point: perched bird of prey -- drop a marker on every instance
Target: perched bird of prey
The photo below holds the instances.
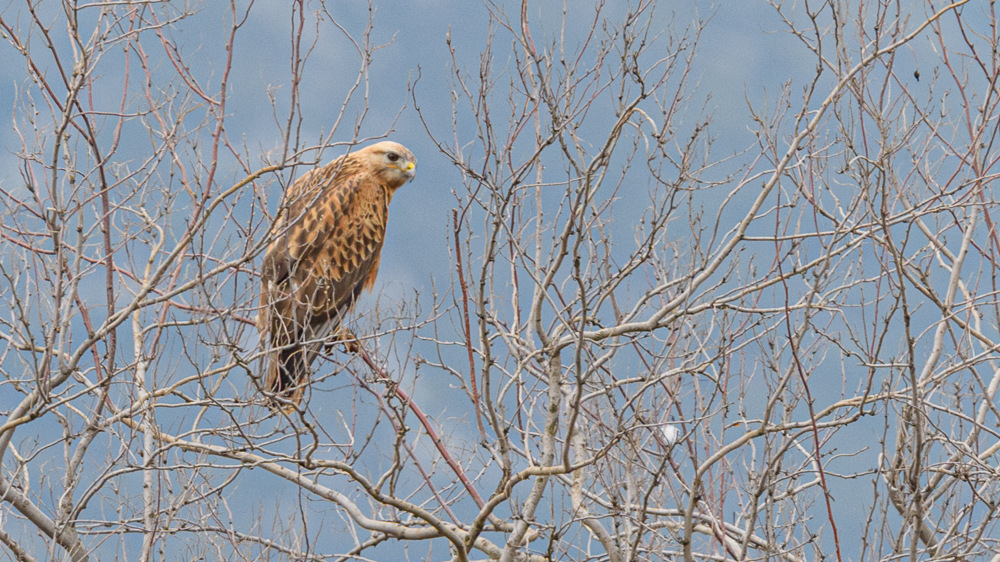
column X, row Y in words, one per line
column 328, row 237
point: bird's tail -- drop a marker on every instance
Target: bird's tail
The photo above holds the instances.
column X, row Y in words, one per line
column 288, row 374
column 289, row 365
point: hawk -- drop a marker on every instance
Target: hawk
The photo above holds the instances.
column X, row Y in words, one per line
column 329, row 235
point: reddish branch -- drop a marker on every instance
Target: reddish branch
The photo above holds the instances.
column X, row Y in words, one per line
column 467, row 327
column 393, row 389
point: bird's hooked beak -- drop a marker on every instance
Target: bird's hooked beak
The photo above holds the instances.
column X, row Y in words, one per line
column 409, row 170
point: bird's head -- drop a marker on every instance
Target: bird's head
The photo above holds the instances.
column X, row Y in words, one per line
column 393, row 162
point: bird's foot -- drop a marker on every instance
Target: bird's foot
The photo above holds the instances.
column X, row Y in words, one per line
column 347, row 338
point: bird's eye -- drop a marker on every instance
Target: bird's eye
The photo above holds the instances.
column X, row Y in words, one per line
column 392, row 156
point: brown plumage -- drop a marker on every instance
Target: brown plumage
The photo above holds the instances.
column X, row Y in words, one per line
column 328, row 237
